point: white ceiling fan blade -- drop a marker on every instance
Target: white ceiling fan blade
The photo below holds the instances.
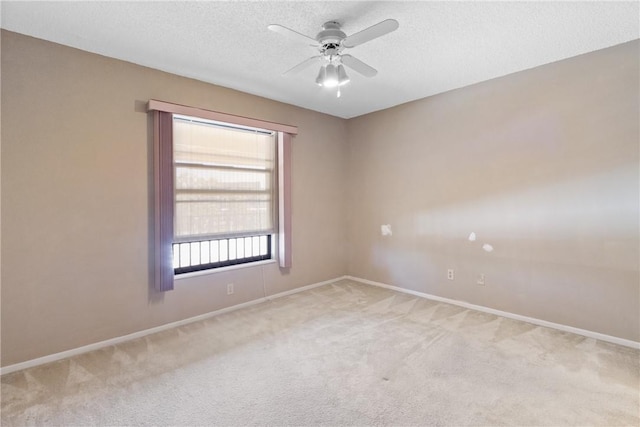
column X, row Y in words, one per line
column 359, row 66
column 375, row 31
column 288, row 32
column 303, row 65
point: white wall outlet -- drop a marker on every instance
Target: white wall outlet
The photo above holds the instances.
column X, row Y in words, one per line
column 229, row 288
column 450, row 274
column 480, row 280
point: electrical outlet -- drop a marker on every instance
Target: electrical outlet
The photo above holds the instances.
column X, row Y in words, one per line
column 480, row 280
column 450, row 274
column 229, row 288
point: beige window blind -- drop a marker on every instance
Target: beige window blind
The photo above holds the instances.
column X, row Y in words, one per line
column 224, row 179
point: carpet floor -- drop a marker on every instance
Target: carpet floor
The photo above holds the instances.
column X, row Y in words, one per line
column 340, row 354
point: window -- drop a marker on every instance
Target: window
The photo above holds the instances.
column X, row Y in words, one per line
column 222, row 191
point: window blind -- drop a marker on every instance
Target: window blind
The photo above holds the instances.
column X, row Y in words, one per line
column 224, row 179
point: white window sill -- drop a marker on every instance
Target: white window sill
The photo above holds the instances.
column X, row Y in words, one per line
column 223, row 269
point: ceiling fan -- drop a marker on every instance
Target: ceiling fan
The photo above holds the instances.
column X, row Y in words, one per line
column 331, row 42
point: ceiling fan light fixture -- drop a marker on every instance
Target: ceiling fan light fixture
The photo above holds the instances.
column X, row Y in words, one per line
column 321, row 76
column 343, row 79
column 331, row 78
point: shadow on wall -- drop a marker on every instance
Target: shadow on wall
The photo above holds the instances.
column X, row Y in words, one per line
column 573, row 222
column 587, row 222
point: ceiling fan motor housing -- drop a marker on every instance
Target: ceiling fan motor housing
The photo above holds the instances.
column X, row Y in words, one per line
column 331, row 34
column 330, row 37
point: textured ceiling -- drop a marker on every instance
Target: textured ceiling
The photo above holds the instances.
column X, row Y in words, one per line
column 439, row 46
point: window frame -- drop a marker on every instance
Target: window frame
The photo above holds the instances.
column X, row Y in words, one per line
column 201, row 252
column 164, row 274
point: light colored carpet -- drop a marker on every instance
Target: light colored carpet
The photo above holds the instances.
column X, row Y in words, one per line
column 341, row 354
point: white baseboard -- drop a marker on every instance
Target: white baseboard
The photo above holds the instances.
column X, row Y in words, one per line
column 113, row 341
column 539, row 322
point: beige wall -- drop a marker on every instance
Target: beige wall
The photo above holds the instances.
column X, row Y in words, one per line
column 75, row 199
column 541, row 164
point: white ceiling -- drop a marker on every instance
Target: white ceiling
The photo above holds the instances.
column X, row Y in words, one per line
column 439, row 46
